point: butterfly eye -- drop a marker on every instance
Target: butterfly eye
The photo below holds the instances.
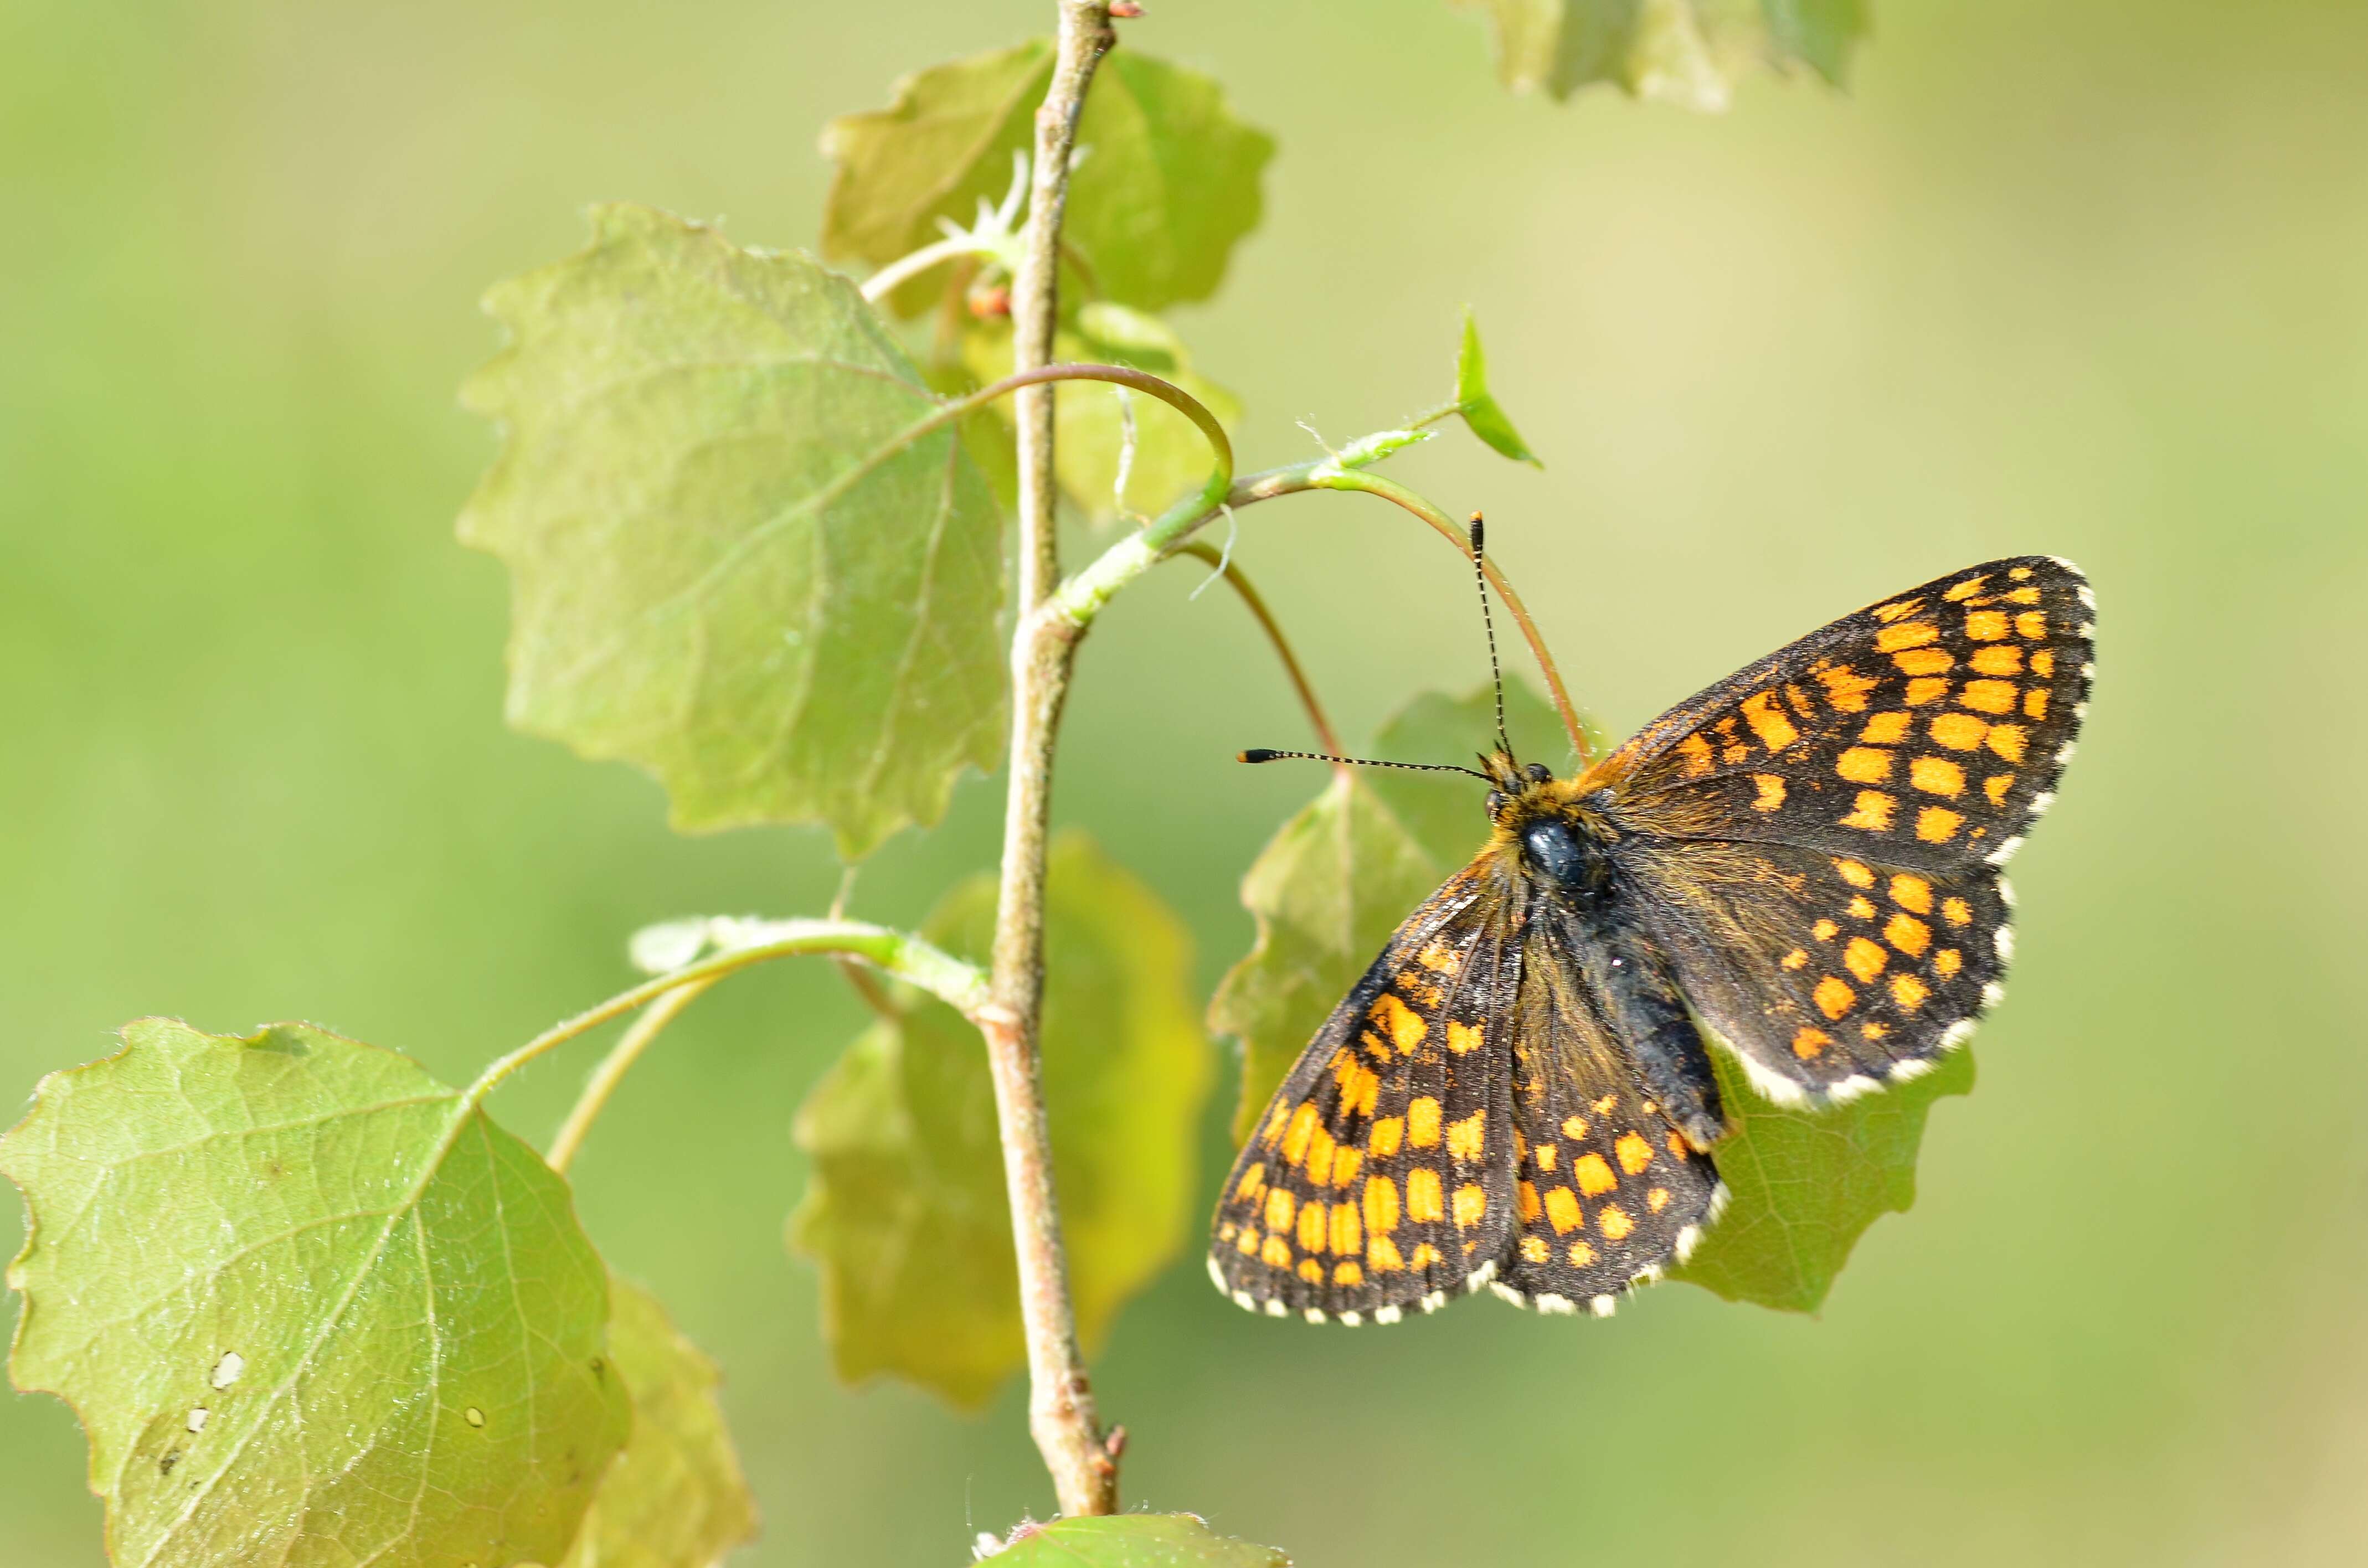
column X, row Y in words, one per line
column 1540, row 773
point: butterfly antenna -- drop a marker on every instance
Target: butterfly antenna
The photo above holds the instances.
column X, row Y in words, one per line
column 1261, row 754
column 1495, row 672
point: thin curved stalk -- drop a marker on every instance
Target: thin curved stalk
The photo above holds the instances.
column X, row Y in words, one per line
column 613, row 1068
column 1327, row 737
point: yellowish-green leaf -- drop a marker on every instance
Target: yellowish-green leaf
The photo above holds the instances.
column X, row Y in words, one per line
column 1166, row 180
column 734, row 560
column 674, row 1498
column 1133, row 1540
column 1688, row 53
column 905, row 1210
column 1171, row 456
column 1806, row 1184
column 311, row 1306
column 1481, row 410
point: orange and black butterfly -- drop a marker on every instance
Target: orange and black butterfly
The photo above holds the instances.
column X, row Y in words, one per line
column 1802, row 864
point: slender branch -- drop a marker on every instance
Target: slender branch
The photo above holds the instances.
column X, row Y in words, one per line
column 615, row 1066
column 958, row 985
column 1326, row 735
column 1083, row 595
column 1060, row 1403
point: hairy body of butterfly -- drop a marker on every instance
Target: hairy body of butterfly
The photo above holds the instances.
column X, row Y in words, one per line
column 1802, row 862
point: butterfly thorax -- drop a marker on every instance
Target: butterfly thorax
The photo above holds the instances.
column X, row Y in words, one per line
column 1558, row 853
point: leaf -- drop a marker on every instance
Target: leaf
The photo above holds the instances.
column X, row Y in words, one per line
column 1339, row 876
column 1480, row 410
column 1805, row 1184
column 1171, row 456
column 1133, row 1540
column 674, row 1498
column 1688, row 53
column 311, row 1306
column 1165, row 183
column 905, row 1210
column 733, row 561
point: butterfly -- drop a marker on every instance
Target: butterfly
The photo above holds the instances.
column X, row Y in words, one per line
column 1801, row 865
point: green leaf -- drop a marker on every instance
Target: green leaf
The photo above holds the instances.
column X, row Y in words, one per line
column 1165, row 179
column 1342, row 874
column 674, row 1498
column 1133, row 1540
column 1481, row 410
column 733, row 561
column 311, row 1306
column 1688, row 53
column 1171, row 456
column 905, row 1210
column 1805, row 1184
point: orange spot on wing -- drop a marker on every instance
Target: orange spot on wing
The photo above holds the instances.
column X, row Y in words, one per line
column 1833, row 996
column 1908, row 991
column 1422, row 1121
column 1383, row 1142
column 1657, row 1199
column 1562, row 1210
column 1896, row 609
column 1872, row 812
column 1253, row 1182
column 1276, row 1254
column 1468, row 1137
column 1794, row 958
column 1380, row 1205
column 1965, row 589
column 1348, row 1273
column 1593, row 1176
column 1696, row 753
column 1862, row 765
column 1936, row 775
column 1247, row 1244
column 1381, row 1256
column 1947, row 962
column 1907, row 634
column 1864, row 958
column 1988, row 696
column 1910, row 935
column 1535, row 1249
column 1404, row 1024
column 1425, row 1256
column 1911, row 892
column 1857, row 873
column 1937, row 824
column 1957, row 912
column 2003, row 659
column 1808, row 1042
column 1926, row 690
column 1846, row 688
column 1462, row 1039
column 1886, row 729
column 1345, row 1162
column 1995, row 786
column 1635, row 1151
column 1574, row 1127
column 2007, row 740
column 1302, row 1128
column 1470, row 1205
column 1613, row 1222
column 1525, row 1202
column 2030, row 623
column 1311, row 1271
column 2043, row 662
column 1320, row 1157
column 1923, row 661
column 1986, row 625
column 2034, row 703
column 1313, row 1227
column 1438, row 957
column 1769, row 722
column 1580, row 1255
column 1424, row 1202
column 1824, row 930
column 1862, row 907
column 1771, row 791
column 1958, row 732
column 1348, row 1236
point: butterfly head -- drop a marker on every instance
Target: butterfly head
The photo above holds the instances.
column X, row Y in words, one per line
column 1541, row 821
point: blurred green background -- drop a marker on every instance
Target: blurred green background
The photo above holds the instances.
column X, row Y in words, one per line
column 2090, row 280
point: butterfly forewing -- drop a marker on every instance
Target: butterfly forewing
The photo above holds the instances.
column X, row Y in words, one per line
column 1379, row 1178
column 1927, row 730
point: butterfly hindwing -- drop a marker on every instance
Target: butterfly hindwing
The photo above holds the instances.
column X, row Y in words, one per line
column 1607, row 1191
column 1379, row 1177
column 1822, row 972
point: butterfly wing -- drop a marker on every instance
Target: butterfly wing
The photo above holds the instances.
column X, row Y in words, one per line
column 1380, row 1177
column 1816, row 840
column 1607, row 1191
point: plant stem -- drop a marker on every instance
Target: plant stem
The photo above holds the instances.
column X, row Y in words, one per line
column 1326, row 737
column 956, row 983
column 613, row 1068
column 1061, row 1404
